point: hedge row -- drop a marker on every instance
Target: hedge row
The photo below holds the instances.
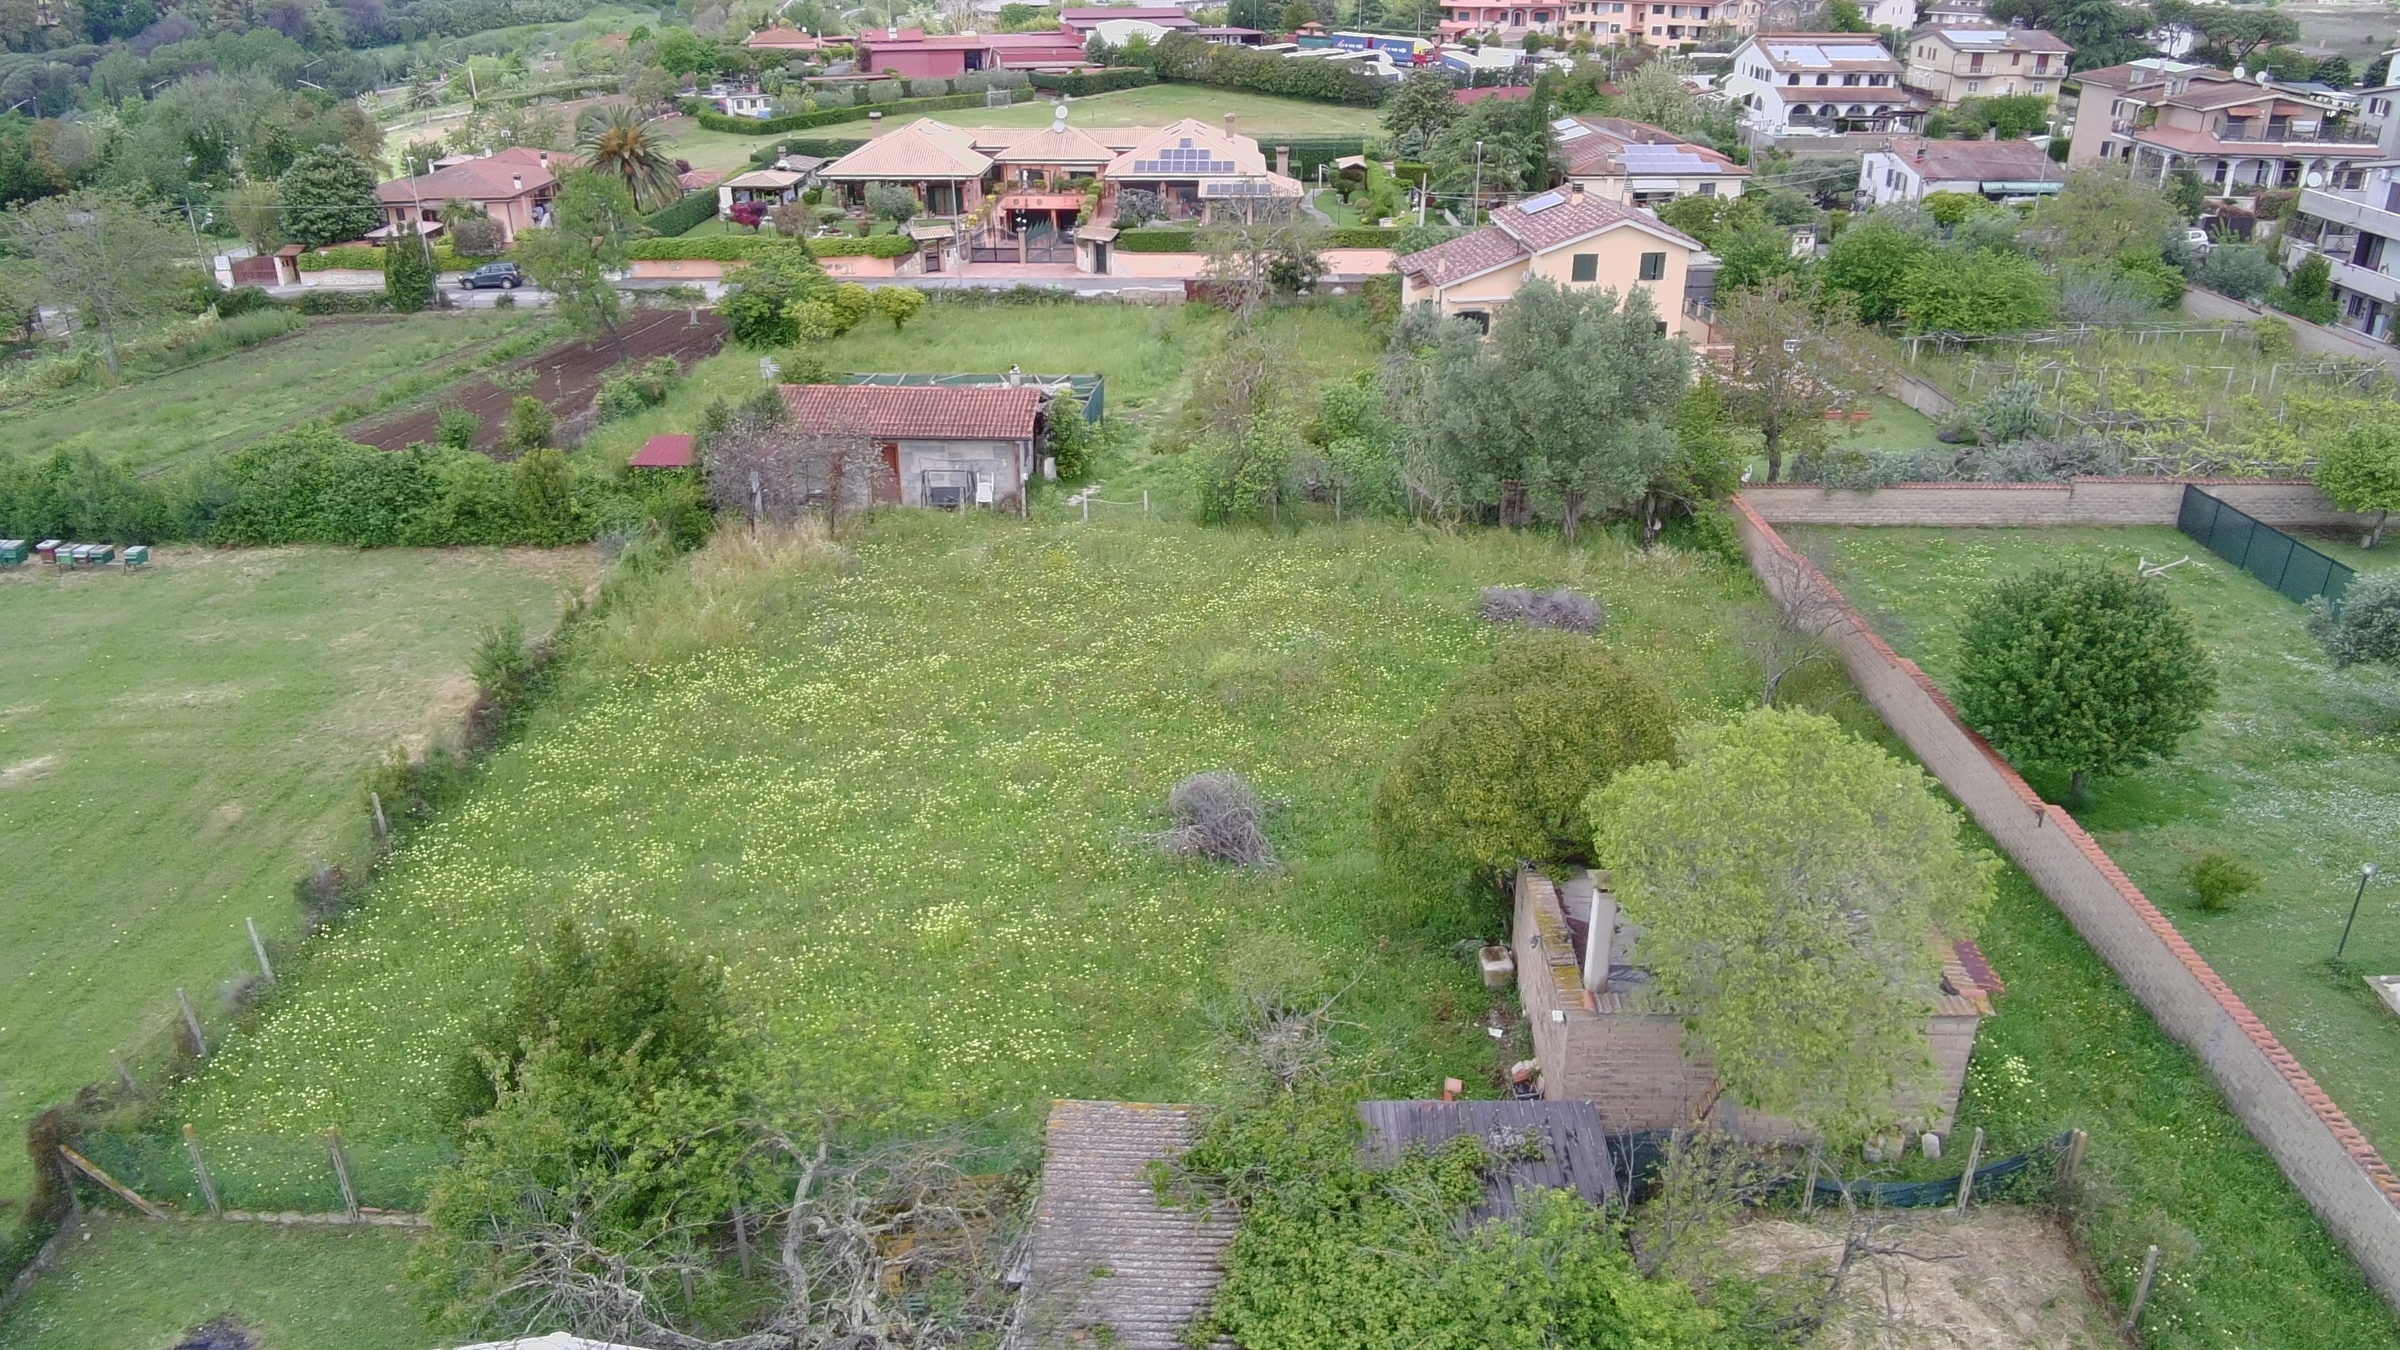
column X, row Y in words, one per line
column 369, row 258
column 1084, row 84
column 1158, row 239
column 742, row 247
column 686, row 215
column 825, row 117
column 313, row 486
column 873, row 246
column 1182, row 56
column 1362, row 236
column 820, row 147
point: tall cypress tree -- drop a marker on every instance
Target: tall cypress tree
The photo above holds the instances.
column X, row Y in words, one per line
column 407, row 275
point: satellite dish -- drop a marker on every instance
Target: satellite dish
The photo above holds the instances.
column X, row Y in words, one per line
column 2315, row 180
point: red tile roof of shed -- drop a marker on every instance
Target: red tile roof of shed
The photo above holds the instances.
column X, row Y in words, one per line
column 915, row 412
column 669, row 451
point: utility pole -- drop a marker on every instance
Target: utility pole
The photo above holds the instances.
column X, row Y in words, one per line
column 1475, row 205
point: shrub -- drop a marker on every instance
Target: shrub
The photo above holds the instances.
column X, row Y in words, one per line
column 458, row 429
column 831, row 116
column 2219, row 879
column 2243, row 271
column 323, row 894
column 477, row 237
column 407, row 277
column 1159, row 240
column 873, row 246
column 529, row 425
column 342, row 302
column 713, row 248
column 2365, row 626
column 1085, row 83
column 1499, row 772
column 899, row 304
column 2309, row 293
column 764, row 308
column 892, row 202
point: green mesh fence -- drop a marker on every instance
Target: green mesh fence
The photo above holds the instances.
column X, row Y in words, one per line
column 2284, row 563
column 270, row 1172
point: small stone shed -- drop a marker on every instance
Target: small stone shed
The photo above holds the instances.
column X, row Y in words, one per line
column 1609, row 1039
column 941, row 445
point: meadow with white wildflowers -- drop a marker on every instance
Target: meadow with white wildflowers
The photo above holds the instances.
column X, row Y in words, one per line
column 905, row 811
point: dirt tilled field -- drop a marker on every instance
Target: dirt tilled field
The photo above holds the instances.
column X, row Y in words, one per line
column 1997, row 1279
column 566, row 378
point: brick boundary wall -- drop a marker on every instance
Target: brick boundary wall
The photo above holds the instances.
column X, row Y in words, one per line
column 2288, row 502
column 2336, row 1169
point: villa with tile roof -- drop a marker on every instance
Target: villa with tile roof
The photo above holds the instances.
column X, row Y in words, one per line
column 1633, row 162
column 514, row 188
column 1566, row 236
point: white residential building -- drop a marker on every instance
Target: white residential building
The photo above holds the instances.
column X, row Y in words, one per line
column 1829, row 82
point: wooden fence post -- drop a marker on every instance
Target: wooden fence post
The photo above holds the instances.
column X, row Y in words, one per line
column 208, row 1184
column 2141, row 1292
column 383, row 829
column 2070, row 1158
column 118, row 1188
column 340, row 1158
column 1966, row 1179
column 258, row 945
column 1808, row 1188
column 192, row 1020
column 125, row 1075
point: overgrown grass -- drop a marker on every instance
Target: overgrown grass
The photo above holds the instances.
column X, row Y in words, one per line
column 2297, row 772
column 222, row 404
column 2242, row 1260
column 176, row 746
column 902, row 793
column 138, row 1284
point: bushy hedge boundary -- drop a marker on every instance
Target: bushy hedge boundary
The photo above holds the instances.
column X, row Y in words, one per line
column 311, row 486
column 742, row 247
column 686, row 215
column 1084, row 84
column 1161, row 239
column 369, row 258
column 1181, row 56
column 825, row 117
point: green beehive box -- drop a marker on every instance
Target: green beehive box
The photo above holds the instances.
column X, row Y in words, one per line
column 137, row 555
column 13, row 552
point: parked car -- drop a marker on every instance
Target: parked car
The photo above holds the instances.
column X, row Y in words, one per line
column 2199, row 240
column 502, row 275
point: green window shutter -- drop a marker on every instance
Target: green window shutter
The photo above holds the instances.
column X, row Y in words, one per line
column 1587, row 267
column 1654, row 266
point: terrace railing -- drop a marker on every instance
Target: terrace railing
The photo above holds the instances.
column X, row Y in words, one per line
column 2284, row 563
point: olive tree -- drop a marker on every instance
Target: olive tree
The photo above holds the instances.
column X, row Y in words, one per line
column 2075, row 670
column 1499, row 772
column 1792, row 884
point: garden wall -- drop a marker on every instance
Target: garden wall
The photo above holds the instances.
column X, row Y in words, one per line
column 2288, row 502
column 2326, row 1157
column 2314, row 338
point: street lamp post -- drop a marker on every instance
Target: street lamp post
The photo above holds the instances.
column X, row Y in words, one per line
column 1475, row 206
column 2365, row 875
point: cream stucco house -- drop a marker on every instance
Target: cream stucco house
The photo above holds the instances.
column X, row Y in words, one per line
column 1570, row 237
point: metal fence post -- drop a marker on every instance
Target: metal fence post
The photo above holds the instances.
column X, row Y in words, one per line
column 208, row 1184
column 340, row 1157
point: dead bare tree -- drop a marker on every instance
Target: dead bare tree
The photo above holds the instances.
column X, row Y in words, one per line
column 761, row 465
column 1272, row 247
column 1793, row 627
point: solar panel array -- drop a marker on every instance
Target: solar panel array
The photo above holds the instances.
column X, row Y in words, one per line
column 1645, row 158
column 1185, row 158
column 1534, row 206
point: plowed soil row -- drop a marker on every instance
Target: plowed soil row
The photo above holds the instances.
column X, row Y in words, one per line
column 569, row 377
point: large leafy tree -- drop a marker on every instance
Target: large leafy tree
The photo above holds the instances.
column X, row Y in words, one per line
column 1870, row 257
column 1788, row 360
column 2103, row 32
column 1792, row 883
column 2228, row 35
column 2361, row 472
column 1979, row 291
column 618, row 142
column 2365, row 626
column 1420, row 109
column 2083, row 671
column 593, row 218
column 328, row 197
column 408, row 274
column 1500, row 770
column 108, row 256
column 2102, row 214
column 1572, row 397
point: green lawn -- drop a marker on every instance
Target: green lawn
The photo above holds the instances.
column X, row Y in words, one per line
column 226, row 403
column 177, row 745
column 141, row 1286
column 2297, row 771
column 1261, row 115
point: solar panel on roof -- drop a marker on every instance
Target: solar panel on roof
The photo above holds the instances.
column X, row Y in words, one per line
column 1536, row 205
column 1185, row 158
column 1574, row 131
column 1565, row 124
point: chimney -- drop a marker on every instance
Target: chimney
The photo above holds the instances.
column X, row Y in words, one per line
column 1920, row 152
column 1229, row 124
column 1283, row 160
column 517, row 181
column 874, row 125
column 892, row 34
column 1058, row 118
column 545, row 158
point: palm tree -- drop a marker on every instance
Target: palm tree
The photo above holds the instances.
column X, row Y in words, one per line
column 618, row 142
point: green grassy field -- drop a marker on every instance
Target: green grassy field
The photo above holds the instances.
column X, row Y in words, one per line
column 2294, row 772
column 905, row 810
column 1261, row 115
column 226, row 403
column 177, row 746
column 141, row 1286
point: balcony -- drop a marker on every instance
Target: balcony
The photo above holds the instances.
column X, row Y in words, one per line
column 2350, row 276
column 2349, row 210
column 2311, row 133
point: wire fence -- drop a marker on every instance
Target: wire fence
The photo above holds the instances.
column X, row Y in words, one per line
column 2299, row 572
column 268, row 1172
